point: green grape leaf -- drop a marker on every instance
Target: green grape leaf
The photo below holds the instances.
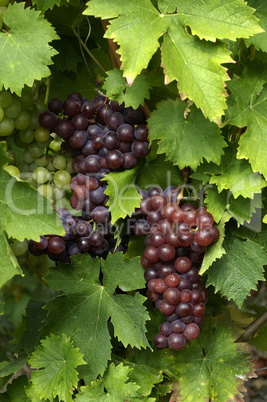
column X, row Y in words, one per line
column 122, row 192
column 28, row 39
column 158, row 172
column 215, row 19
column 114, row 385
column 136, row 30
column 239, row 270
column 16, row 390
column 62, row 83
column 83, row 311
column 216, row 250
column 67, row 60
column 260, row 39
column 143, row 374
column 137, row 26
column 246, row 108
column 199, row 72
column 55, row 361
column 185, row 141
column 24, row 212
column 117, row 89
column 233, row 174
column 213, row 367
column 44, row 5
column 8, row 263
column 242, row 208
column 216, row 202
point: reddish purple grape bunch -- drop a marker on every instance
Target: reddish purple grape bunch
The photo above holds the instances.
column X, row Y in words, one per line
column 102, row 135
column 176, row 240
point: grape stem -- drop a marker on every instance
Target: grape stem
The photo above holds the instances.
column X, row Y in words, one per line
column 87, row 50
column 253, row 328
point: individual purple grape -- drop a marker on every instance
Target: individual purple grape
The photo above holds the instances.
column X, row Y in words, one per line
column 100, row 214
column 130, row 160
column 177, row 326
column 161, row 341
column 55, row 105
column 114, row 159
column 48, row 120
column 141, row 132
column 64, row 129
column 115, row 120
column 125, row 133
column 176, row 341
column 80, row 122
column 191, row 331
column 72, row 105
column 92, row 163
column 78, row 139
column 88, row 109
column 56, row 245
column 165, row 328
column 140, row 148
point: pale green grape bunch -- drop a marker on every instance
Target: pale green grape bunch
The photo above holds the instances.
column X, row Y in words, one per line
column 43, row 163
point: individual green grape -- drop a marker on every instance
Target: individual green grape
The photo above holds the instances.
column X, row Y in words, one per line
column 26, row 156
column 62, row 178
column 41, row 175
column 34, row 121
column 6, row 99
column 60, row 162
column 1, row 114
column 35, row 151
column 44, row 144
column 13, row 170
column 6, row 127
column 18, row 142
column 69, row 165
column 19, row 247
column 24, row 169
column 41, row 134
column 23, row 121
column 26, row 98
column 33, row 166
column 50, row 165
column 46, row 191
column 58, row 193
column 27, row 135
column 13, row 111
column 41, row 161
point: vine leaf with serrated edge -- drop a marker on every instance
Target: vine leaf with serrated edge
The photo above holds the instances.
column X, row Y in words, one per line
column 55, row 361
column 29, row 39
column 188, row 140
column 239, row 270
column 83, row 311
column 143, row 22
column 213, row 366
column 247, row 108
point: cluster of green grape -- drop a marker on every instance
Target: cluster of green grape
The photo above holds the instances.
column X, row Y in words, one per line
column 41, row 160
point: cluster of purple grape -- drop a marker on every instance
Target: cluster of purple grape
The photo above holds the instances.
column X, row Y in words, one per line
column 176, row 239
column 81, row 237
column 103, row 136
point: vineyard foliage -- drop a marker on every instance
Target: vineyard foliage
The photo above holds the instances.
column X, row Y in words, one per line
column 198, row 68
